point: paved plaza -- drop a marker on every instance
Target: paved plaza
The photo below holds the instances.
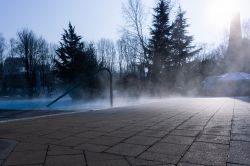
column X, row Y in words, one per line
column 175, row 131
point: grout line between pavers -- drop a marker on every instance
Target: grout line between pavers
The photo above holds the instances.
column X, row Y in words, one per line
column 167, row 134
column 126, row 159
column 144, row 120
column 201, row 131
column 122, row 141
column 104, row 152
column 214, row 143
column 85, row 157
column 48, row 146
column 238, row 164
column 232, row 121
column 39, row 117
column 4, row 160
column 170, row 132
column 132, row 135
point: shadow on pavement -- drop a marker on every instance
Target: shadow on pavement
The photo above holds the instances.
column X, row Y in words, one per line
column 6, row 115
column 243, row 98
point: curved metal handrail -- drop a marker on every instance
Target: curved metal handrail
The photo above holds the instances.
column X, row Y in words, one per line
column 79, row 84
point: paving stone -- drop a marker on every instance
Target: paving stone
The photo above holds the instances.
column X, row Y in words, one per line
column 167, row 159
column 119, row 162
column 190, row 127
column 188, row 164
column 74, row 129
column 205, row 158
column 104, row 130
column 39, row 140
column 228, row 164
column 214, row 139
column 42, row 132
column 191, row 133
column 240, row 137
column 72, row 141
column 163, row 127
column 34, row 165
column 135, row 128
column 101, row 156
column 169, row 149
column 141, row 162
column 154, row 133
column 142, row 140
column 178, row 139
column 58, row 135
column 121, row 133
column 14, row 136
column 91, row 134
column 209, row 147
column 127, row 149
column 216, row 132
column 92, row 147
column 26, row 157
column 30, row 147
column 221, row 127
column 105, row 140
column 107, row 128
column 239, row 152
column 59, row 150
column 196, row 122
column 245, row 130
column 6, row 146
column 65, row 160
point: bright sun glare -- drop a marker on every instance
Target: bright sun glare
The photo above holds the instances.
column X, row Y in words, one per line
column 221, row 11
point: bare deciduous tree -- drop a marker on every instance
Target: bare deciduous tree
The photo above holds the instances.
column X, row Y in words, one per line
column 2, row 48
column 134, row 35
column 106, row 53
column 12, row 48
column 121, row 57
column 246, row 29
column 33, row 52
column 52, row 55
column 134, row 14
column 128, row 54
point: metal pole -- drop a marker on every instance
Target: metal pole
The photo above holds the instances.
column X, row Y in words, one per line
column 111, row 91
column 111, row 88
column 77, row 85
column 110, row 84
column 64, row 94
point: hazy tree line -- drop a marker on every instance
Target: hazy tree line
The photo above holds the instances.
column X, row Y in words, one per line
column 155, row 59
column 29, row 54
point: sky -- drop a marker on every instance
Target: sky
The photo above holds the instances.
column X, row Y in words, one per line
column 96, row 19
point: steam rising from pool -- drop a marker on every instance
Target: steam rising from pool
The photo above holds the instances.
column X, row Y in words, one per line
column 67, row 104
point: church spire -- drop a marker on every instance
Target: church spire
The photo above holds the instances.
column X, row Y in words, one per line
column 235, row 37
column 233, row 58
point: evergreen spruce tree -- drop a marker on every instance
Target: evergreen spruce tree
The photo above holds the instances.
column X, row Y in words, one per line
column 181, row 50
column 182, row 47
column 159, row 44
column 76, row 63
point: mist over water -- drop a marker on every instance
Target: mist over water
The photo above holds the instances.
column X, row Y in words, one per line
column 141, row 72
column 66, row 104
